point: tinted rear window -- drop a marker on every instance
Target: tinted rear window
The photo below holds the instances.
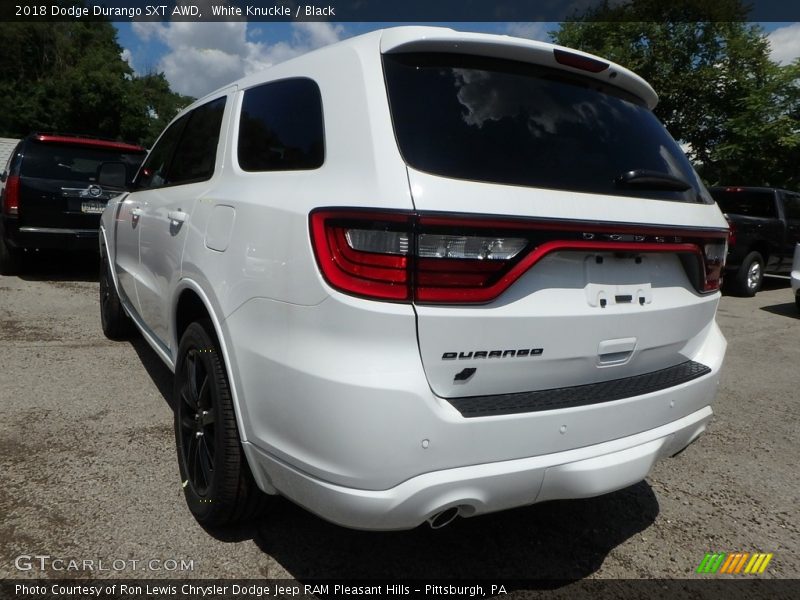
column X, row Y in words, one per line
column 749, row 203
column 73, row 163
column 514, row 123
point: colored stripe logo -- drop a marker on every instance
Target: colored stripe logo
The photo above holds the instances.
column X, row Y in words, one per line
column 734, row 563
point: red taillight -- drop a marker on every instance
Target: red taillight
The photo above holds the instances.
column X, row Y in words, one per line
column 731, row 233
column 714, row 254
column 11, row 196
column 401, row 256
column 358, row 270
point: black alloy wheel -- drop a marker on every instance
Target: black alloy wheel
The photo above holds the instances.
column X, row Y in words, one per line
column 116, row 323
column 197, row 423
column 217, row 482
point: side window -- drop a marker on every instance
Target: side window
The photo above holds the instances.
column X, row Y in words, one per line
column 792, row 206
column 153, row 172
column 281, row 127
column 197, row 150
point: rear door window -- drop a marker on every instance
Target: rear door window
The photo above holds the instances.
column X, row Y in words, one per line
column 153, row 173
column 187, row 151
column 514, row 123
column 196, row 153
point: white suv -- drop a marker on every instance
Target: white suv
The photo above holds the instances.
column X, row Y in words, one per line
column 420, row 274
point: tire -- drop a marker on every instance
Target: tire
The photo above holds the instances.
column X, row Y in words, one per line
column 10, row 259
column 750, row 275
column 116, row 323
column 797, row 300
column 217, row 482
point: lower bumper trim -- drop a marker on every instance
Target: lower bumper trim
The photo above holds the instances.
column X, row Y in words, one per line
column 581, row 395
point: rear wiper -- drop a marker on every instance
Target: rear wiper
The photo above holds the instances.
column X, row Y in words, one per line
column 652, row 180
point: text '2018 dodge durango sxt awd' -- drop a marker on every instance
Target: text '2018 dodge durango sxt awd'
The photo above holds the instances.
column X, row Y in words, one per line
column 420, row 274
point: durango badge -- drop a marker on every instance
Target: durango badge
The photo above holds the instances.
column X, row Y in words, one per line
column 493, row 354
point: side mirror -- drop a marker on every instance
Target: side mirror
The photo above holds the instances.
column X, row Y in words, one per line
column 112, row 174
column 3, row 177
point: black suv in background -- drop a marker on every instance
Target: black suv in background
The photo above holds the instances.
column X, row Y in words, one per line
column 49, row 192
column 765, row 227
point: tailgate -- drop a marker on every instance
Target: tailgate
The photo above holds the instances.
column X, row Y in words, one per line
column 61, row 204
column 576, row 316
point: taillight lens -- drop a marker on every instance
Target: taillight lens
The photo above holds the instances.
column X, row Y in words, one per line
column 11, row 196
column 731, row 233
column 468, row 247
column 714, row 254
column 364, row 253
column 403, row 257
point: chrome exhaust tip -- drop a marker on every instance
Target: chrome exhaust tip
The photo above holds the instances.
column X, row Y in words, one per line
column 443, row 518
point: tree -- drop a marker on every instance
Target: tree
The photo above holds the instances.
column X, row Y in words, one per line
column 149, row 107
column 720, row 94
column 70, row 77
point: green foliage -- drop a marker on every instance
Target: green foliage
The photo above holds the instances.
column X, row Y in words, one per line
column 719, row 91
column 70, row 77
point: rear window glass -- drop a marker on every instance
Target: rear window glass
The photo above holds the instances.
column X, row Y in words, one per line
column 281, row 127
column 508, row 122
column 748, row 203
column 74, row 163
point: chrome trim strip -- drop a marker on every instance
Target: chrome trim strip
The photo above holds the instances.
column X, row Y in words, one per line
column 57, row 230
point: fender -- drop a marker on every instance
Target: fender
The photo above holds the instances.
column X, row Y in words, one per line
column 105, row 252
column 184, row 284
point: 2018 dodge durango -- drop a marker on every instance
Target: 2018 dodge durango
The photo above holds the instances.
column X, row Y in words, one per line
column 420, row 274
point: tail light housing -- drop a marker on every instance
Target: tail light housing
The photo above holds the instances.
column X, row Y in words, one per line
column 731, row 232
column 404, row 256
column 714, row 255
column 11, row 196
column 362, row 253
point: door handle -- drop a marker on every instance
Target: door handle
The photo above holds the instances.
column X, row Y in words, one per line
column 177, row 215
column 615, row 352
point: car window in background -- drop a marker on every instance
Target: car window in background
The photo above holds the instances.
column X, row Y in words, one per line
column 281, row 127
column 750, row 203
column 74, row 163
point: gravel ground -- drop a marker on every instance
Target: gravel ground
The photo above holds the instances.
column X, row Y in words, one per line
column 88, row 470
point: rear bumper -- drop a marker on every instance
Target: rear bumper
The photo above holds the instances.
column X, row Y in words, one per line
column 344, row 421
column 49, row 237
column 478, row 489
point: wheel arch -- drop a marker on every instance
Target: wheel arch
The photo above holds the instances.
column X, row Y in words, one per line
column 105, row 253
column 763, row 248
column 191, row 304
